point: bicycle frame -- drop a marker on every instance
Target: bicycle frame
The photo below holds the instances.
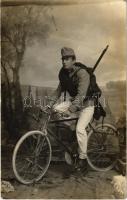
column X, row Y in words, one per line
column 47, row 129
column 100, row 155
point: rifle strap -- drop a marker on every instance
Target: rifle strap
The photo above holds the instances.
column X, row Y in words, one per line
column 75, row 72
column 102, row 121
column 65, row 95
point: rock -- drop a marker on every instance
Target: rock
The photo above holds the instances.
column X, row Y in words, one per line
column 6, row 187
column 119, row 185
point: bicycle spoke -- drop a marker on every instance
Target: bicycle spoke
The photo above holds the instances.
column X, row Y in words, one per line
column 100, row 149
column 25, row 147
column 93, row 149
column 24, row 167
column 40, row 167
column 27, row 174
column 32, row 157
column 39, row 146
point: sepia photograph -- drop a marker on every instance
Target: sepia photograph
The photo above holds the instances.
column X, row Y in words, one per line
column 63, row 99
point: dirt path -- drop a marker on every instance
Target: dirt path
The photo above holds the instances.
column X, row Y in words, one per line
column 60, row 183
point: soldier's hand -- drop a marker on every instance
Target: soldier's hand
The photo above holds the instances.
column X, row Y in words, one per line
column 66, row 114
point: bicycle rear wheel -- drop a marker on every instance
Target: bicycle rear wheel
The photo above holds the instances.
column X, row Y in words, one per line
column 102, row 147
column 31, row 157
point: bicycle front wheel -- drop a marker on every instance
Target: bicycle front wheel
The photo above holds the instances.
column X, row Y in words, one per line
column 31, row 157
column 102, row 147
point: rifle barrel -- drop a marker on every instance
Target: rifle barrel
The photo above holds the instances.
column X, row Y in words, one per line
column 99, row 59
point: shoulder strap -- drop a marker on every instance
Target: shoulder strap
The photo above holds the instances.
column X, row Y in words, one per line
column 79, row 67
column 82, row 66
column 75, row 72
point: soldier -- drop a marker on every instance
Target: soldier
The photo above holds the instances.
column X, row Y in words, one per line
column 76, row 83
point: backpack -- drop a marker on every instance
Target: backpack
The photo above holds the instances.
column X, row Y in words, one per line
column 93, row 92
column 93, row 89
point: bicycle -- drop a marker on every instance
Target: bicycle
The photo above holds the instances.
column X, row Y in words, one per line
column 33, row 152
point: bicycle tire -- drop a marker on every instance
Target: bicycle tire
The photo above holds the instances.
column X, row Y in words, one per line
column 100, row 148
column 31, row 160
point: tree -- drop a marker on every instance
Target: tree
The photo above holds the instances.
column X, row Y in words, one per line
column 20, row 27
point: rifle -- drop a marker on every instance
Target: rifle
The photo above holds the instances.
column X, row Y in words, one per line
column 95, row 66
column 100, row 57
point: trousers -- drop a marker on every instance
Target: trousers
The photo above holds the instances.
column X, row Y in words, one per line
column 85, row 117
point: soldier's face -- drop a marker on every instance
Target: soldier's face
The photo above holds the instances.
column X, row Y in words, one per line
column 68, row 62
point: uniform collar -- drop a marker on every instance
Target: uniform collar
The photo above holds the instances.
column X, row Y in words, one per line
column 72, row 69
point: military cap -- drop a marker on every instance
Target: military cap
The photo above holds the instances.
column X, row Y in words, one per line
column 65, row 52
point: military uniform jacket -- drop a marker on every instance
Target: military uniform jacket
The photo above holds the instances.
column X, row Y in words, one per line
column 76, row 82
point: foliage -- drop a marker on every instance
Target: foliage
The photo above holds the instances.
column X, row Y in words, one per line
column 20, row 27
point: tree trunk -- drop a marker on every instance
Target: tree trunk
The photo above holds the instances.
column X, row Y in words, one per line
column 7, row 91
column 18, row 102
column 6, row 110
